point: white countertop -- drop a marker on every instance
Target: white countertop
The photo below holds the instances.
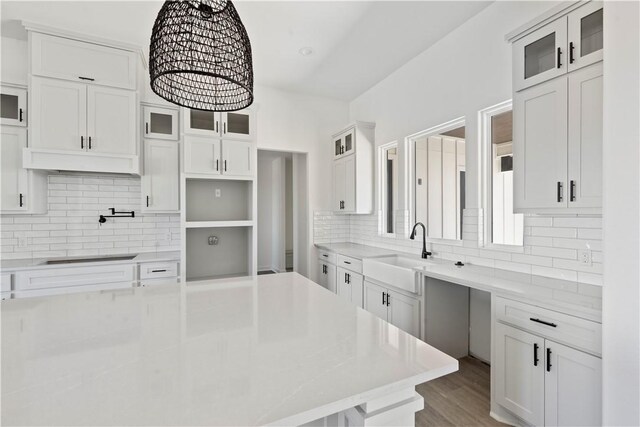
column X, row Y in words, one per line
column 355, row 250
column 31, row 263
column 273, row 349
column 579, row 299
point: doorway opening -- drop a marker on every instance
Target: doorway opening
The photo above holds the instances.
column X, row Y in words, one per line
column 282, row 212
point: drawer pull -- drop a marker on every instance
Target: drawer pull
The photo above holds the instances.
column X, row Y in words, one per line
column 347, row 262
column 86, row 78
column 325, row 255
column 535, row 354
column 533, row 319
column 158, row 271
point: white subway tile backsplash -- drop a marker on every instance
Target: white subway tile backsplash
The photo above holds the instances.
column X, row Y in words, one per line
column 551, row 244
column 70, row 227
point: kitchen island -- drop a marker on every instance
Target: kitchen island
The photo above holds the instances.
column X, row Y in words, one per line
column 266, row 350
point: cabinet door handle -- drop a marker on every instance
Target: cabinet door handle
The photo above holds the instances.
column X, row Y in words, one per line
column 388, row 299
column 86, row 78
column 147, row 201
column 571, row 48
column 82, row 142
column 21, row 200
column 224, row 126
column 559, row 57
column 225, row 165
column 559, row 191
column 383, row 298
column 535, row 355
column 20, row 115
column 548, row 359
column 217, row 127
column 535, row 319
column 158, row 271
column 217, row 164
column 345, row 278
column 89, row 143
column 146, row 128
column 572, row 191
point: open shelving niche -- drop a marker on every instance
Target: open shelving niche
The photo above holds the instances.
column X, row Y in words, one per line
column 224, row 208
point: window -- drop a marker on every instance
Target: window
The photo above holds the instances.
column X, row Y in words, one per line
column 438, row 179
column 503, row 227
column 388, row 173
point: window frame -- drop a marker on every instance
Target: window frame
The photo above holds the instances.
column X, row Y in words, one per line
column 486, row 167
column 410, row 177
column 382, row 194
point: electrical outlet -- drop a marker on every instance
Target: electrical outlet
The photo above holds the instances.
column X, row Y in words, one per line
column 212, row 240
column 218, row 192
column 22, row 242
column 585, row 256
column 166, row 236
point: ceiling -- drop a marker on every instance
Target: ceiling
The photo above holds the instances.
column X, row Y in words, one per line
column 355, row 43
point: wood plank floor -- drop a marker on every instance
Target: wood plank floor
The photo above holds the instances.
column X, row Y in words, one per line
column 458, row 399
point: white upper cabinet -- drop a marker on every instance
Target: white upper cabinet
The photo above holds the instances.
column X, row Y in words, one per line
column 585, row 26
column 569, row 42
column 557, row 124
column 585, row 137
column 58, row 115
column 202, row 155
column 540, row 146
column 160, row 123
column 352, row 149
column 111, row 120
column 13, row 107
column 236, row 125
column 64, row 58
column 23, row 191
column 237, row 158
column 14, row 177
column 540, row 55
column 160, row 182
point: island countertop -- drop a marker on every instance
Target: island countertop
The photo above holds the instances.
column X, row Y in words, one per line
column 273, row 349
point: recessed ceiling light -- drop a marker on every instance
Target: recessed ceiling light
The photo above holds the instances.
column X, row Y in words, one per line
column 306, row 51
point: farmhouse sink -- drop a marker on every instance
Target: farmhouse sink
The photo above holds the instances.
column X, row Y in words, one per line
column 394, row 270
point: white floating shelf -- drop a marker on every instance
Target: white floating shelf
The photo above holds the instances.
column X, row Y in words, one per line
column 215, row 224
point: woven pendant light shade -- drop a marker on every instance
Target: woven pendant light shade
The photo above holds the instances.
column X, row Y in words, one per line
column 200, row 56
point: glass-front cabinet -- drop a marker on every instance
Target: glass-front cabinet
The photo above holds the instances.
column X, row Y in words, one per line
column 227, row 125
column 566, row 44
column 585, row 35
column 540, row 55
column 13, row 106
column 344, row 144
column 160, row 123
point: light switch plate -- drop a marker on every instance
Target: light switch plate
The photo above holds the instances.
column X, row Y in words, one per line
column 218, row 192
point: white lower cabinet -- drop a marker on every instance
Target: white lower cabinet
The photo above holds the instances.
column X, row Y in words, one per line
column 327, row 275
column 398, row 309
column 544, row 382
column 349, row 286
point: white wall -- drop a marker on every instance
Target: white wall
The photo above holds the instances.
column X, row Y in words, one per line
column 621, row 311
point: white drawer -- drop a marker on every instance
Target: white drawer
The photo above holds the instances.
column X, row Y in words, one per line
column 350, row 263
column 72, row 290
column 563, row 328
column 329, row 257
column 156, row 282
column 5, row 281
column 46, row 278
column 5, row 295
column 158, row 270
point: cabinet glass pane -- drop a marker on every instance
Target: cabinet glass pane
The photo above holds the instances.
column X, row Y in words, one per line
column 539, row 56
column 591, row 33
column 161, row 123
column 204, row 120
column 9, row 107
column 348, row 142
column 238, row 123
column 338, row 145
